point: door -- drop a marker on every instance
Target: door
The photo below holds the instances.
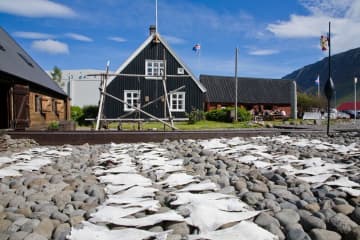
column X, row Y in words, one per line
column 4, row 106
column 21, row 106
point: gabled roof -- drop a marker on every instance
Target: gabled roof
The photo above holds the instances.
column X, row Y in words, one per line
column 16, row 62
column 166, row 45
column 221, row 89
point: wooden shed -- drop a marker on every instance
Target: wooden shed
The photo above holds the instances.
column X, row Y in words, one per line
column 148, row 62
column 253, row 93
column 29, row 98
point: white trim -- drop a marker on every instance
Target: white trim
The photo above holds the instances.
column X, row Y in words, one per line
column 143, row 45
column 126, row 107
column 177, row 101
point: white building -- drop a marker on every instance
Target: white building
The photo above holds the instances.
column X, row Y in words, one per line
column 81, row 88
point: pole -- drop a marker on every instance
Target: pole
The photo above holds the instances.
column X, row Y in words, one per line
column 329, row 99
column 156, row 16
column 355, row 81
column 236, row 85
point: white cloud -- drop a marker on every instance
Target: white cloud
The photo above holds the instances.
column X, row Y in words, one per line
column 263, row 52
column 33, row 35
column 117, row 39
column 174, row 40
column 36, row 8
column 343, row 14
column 50, row 46
column 78, row 37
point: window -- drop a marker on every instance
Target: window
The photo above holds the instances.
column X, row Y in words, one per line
column 54, row 105
column 38, row 107
column 132, row 97
column 154, row 68
column 177, row 102
column 2, row 48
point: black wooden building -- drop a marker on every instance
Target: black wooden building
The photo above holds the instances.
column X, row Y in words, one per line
column 148, row 61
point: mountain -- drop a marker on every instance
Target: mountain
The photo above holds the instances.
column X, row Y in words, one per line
column 344, row 67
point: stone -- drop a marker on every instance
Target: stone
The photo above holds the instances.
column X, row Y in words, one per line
column 322, row 234
column 4, row 225
column 355, row 215
column 76, row 220
column 264, row 219
column 309, row 222
column 312, row 207
column 62, row 231
column 288, row 205
column 59, row 216
column 344, row 209
column 15, row 226
column 252, row 198
column 4, row 236
column 156, row 229
column 287, row 216
column 30, row 225
column 17, row 202
column 259, row 186
column 179, row 228
column 45, row 228
column 25, row 211
column 79, row 196
column 297, row 234
column 354, row 234
column 271, row 205
column 285, row 194
column 174, row 237
column 61, row 199
column 20, row 235
column 341, row 224
column 35, row 236
column 274, row 229
column 240, row 184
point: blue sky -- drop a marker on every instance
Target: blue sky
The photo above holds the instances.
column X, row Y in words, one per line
column 275, row 37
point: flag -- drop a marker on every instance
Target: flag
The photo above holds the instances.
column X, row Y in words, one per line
column 196, row 48
column 324, row 43
column 317, row 80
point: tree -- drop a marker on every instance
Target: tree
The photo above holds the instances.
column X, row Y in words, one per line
column 56, row 75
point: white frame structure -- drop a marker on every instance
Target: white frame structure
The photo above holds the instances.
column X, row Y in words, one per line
column 154, row 69
column 133, row 100
column 175, row 97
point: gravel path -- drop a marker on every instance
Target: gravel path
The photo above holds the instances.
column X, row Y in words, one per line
column 284, row 187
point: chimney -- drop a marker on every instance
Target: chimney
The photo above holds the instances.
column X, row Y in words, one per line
column 152, row 29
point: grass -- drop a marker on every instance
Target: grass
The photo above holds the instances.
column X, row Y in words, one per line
column 201, row 125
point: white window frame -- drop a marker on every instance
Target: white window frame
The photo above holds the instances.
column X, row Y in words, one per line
column 175, row 97
column 153, row 70
column 132, row 99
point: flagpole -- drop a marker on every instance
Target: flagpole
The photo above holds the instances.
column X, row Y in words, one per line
column 329, row 99
column 156, row 16
column 355, row 81
column 318, row 86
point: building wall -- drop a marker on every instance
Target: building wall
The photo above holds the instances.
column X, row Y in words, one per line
column 150, row 88
column 82, row 89
column 48, row 113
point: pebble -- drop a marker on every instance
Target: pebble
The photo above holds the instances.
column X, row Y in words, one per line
column 46, row 204
column 287, row 216
column 341, row 224
column 322, row 234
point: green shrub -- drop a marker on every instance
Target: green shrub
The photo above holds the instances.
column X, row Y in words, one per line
column 244, row 115
column 76, row 113
column 195, row 116
column 53, row 125
column 88, row 112
column 221, row 115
